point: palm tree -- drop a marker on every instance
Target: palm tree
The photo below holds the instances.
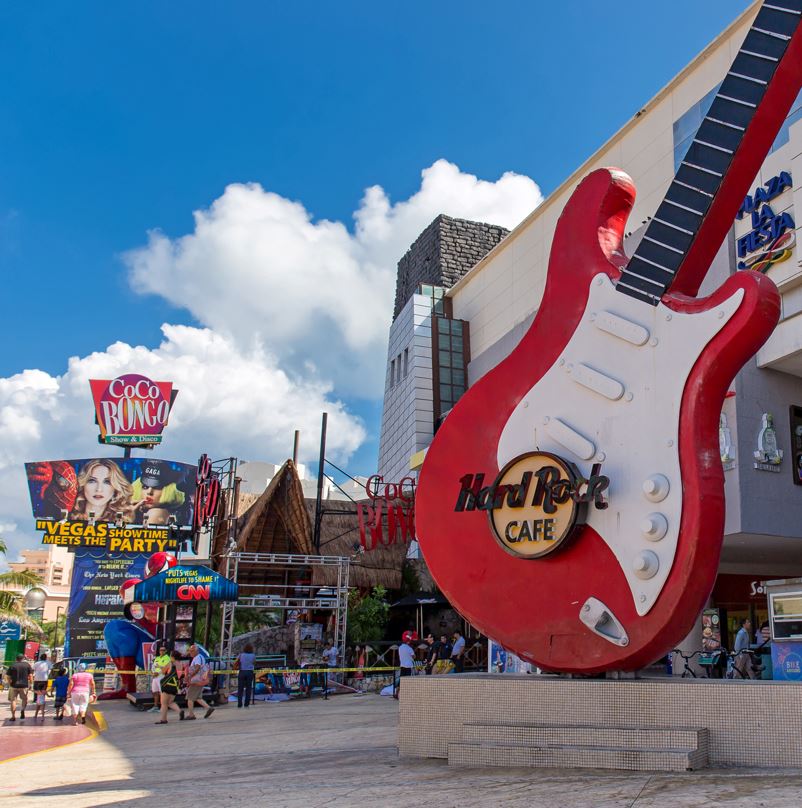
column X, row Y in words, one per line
column 12, row 604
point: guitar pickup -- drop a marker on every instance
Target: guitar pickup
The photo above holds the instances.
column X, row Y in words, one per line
column 621, row 327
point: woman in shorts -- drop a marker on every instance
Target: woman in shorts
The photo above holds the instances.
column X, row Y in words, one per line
column 170, row 688
column 81, row 692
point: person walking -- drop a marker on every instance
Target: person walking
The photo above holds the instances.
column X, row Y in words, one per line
column 61, row 684
column 160, row 662
column 406, row 658
column 740, row 651
column 458, row 652
column 20, row 678
column 169, row 687
column 41, row 674
column 245, row 665
column 196, row 678
column 81, row 692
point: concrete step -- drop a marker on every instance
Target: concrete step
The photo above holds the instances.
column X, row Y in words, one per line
column 540, row 735
column 475, row 755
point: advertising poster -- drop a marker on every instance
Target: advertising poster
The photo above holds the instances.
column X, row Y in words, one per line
column 711, row 637
column 500, row 660
column 95, row 597
column 8, row 631
column 98, row 502
column 786, row 660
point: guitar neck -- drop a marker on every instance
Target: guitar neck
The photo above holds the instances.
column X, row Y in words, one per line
column 715, row 175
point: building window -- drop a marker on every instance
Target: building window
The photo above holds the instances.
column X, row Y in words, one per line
column 687, row 125
column 398, row 368
column 406, row 362
column 440, row 303
column 450, row 357
column 392, row 372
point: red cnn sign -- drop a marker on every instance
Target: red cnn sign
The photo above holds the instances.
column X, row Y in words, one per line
column 194, row 592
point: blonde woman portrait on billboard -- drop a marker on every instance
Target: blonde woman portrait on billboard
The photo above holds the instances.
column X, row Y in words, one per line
column 156, row 495
column 103, row 492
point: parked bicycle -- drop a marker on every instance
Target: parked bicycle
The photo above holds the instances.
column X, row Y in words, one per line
column 713, row 660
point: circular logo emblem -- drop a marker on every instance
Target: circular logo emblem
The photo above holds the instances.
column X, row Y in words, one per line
column 536, row 505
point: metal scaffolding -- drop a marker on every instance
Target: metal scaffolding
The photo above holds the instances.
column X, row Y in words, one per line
column 288, row 595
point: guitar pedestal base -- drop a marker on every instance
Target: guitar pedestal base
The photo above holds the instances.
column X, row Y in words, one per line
column 650, row 724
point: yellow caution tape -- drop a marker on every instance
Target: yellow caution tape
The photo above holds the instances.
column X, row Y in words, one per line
column 260, row 672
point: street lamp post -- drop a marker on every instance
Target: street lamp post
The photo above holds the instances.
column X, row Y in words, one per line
column 55, row 633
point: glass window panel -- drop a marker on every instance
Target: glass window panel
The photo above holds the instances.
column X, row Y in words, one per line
column 686, row 125
column 784, row 133
column 438, row 292
column 458, row 391
column 445, row 375
column 445, row 393
column 445, row 359
column 442, row 326
column 680, row 150
column 438, row 307
column 456, row 326
column 707, row 102
column 458, row 377
column 456, row 344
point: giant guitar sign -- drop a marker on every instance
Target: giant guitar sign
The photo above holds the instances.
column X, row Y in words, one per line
column 620, row 378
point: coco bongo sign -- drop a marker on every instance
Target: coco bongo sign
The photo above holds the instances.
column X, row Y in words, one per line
column 132, row 410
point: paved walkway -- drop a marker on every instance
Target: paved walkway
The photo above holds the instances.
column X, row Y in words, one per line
column 20, row 737
column 332, row 754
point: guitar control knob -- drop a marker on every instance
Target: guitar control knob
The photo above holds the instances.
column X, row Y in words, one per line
column 656, row 487
column 654, row 526
column 646, row 564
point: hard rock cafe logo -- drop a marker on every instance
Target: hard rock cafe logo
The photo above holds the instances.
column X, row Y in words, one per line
column 535, row 503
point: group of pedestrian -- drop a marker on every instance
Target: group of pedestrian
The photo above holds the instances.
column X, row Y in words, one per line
column 73, row 694
column 171, row 677
column 443, row 656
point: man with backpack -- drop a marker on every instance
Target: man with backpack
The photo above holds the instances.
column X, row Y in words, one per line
column 197, row 677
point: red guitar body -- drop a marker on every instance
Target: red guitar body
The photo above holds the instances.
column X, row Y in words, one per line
column 530, row 606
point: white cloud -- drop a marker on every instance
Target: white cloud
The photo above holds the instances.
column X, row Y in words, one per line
column 259, row 266
column 296, row 314
column 231, row 402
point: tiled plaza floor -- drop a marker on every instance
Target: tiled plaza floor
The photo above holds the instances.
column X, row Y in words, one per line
column 340, row 752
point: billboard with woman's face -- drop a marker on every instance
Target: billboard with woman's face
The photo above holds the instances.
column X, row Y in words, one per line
column 129, row 491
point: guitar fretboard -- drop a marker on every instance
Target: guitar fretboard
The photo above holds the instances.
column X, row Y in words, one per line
column 676, row 223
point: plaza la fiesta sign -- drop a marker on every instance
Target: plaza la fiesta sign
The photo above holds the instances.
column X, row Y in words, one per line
column 772, row 236
column 132, row 410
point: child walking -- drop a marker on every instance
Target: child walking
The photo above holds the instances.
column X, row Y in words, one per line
column 60, row 685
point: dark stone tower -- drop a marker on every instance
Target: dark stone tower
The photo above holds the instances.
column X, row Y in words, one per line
column 442, row 254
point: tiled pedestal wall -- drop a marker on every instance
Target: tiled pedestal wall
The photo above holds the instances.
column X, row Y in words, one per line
column 750, row 723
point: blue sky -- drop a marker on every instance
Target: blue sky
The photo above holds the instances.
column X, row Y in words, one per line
column 117, row 119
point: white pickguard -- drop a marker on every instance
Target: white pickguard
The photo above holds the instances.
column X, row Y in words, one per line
column 614, row 397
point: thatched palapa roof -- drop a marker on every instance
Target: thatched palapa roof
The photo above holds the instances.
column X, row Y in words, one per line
column 280, row 520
